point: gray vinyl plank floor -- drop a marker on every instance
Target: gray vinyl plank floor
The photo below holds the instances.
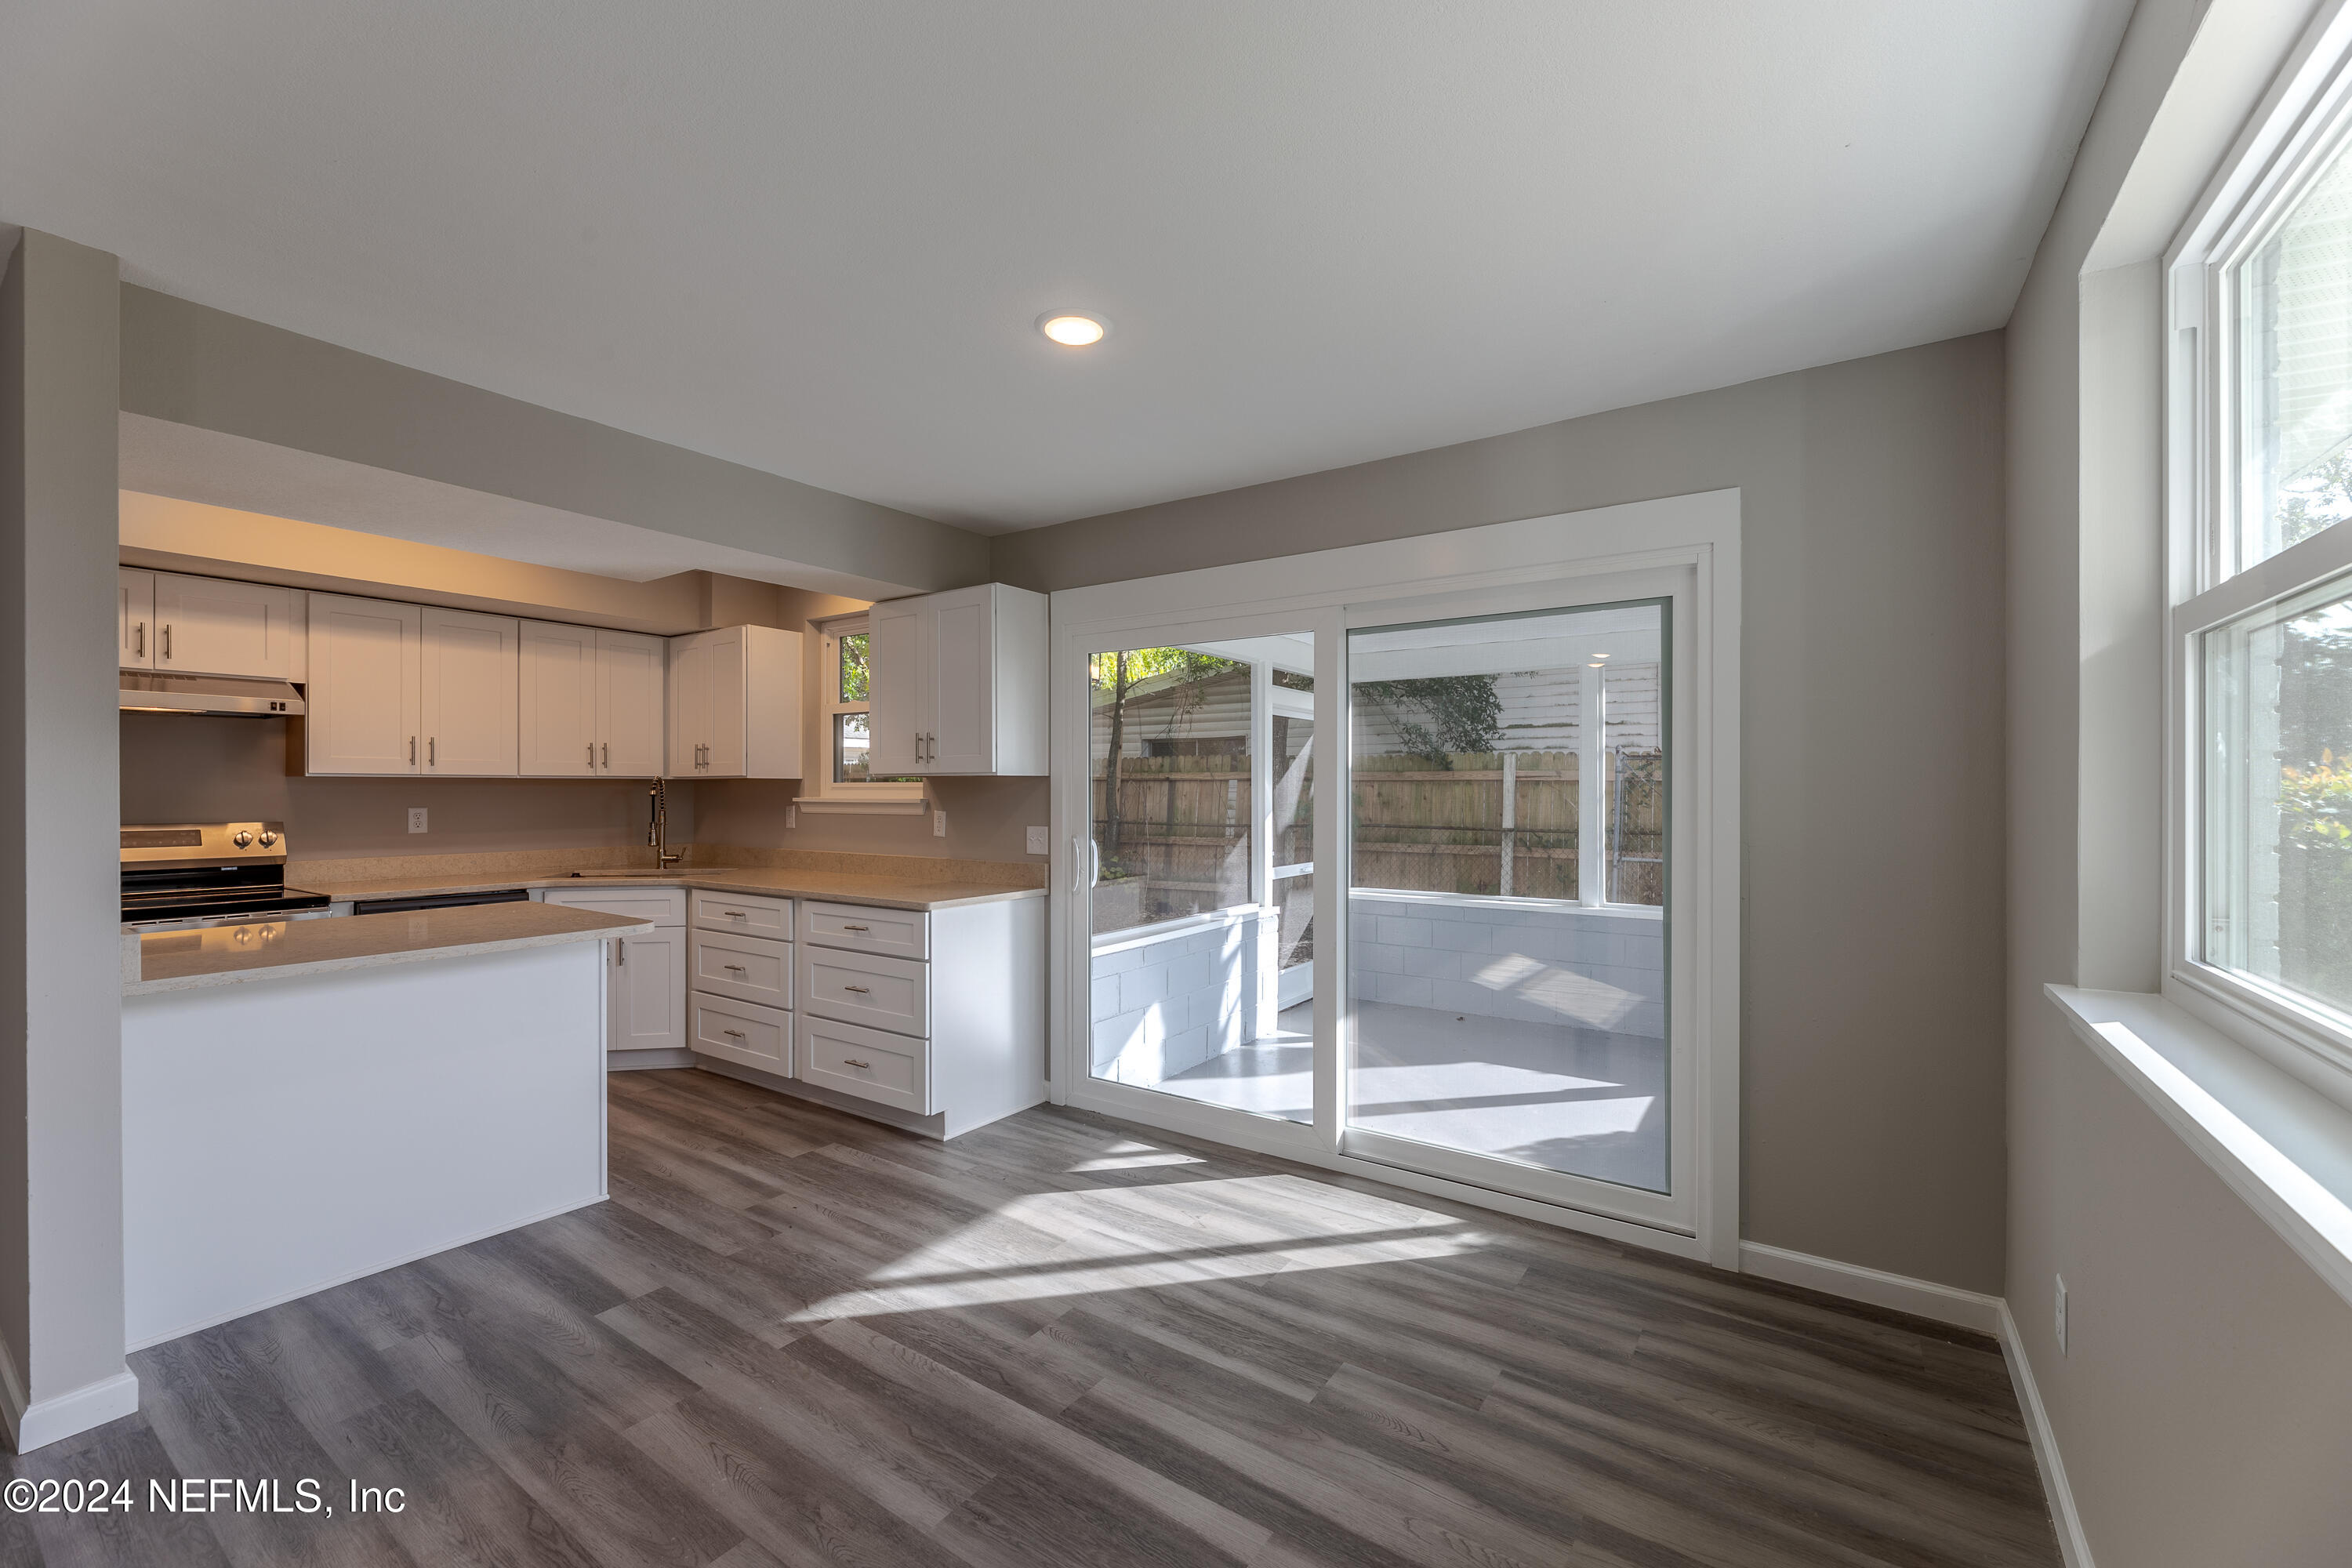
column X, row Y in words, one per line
column 793, row 1337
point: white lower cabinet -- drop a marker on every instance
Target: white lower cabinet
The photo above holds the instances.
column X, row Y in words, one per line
column 744, row 1033
column 935, row 1021
column 649, row 994
column 646, row 999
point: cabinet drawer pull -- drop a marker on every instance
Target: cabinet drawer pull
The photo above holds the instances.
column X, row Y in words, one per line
column 736, row 967
column 432, row 751
column 608, row 753
column 411, row 751
column 854, row 1062
column 858, row 928
column 167, row 639
column 736, row 1034
column 142, row 633
column 735, row 914
column 592, row 754
column 860, row 989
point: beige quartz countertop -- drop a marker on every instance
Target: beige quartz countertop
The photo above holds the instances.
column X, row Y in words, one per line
column 268, row 950
column 881, row 889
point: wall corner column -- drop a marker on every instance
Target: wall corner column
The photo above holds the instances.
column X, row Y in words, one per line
column 62, row 1369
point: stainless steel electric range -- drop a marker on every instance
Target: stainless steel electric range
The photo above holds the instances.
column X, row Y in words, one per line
column 210, row 873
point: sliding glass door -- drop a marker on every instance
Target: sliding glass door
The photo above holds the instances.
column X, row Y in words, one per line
column 1508, row 966
column 1201, row 871
column 1393, row 884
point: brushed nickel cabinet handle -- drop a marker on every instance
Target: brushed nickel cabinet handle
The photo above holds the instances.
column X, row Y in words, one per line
column 858, row 928
column 608, row 753
column 411, row 751
column 432, row 751
column 735, row 914
column 621, row 953
column 854, row 1062
column 592, row 754
column 733, row 1034
column 167, row 639
column 737, row 968
column 861, row 990
column 140, row 633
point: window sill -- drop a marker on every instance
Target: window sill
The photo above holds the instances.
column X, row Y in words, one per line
column 831, row 805
column 2280, row 1145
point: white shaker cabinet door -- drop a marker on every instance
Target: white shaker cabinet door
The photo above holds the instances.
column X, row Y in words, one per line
column 207, row 626
column 365, row 693
column 899, row 718
column 472, row 676
column 725, row 737
column 959, row 669
column 134, row 619
column 558, row 700
column 689, row 704
column 629, row 704
column 649, row 994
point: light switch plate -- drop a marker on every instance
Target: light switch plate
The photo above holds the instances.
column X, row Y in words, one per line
column 415, row 819
column 938, row 825
column 1038, row 843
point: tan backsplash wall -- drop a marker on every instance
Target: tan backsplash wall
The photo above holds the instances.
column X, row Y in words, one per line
column 198, row 768
column 988, row 819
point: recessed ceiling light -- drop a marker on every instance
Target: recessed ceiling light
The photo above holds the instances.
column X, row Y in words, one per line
column 1071, row 330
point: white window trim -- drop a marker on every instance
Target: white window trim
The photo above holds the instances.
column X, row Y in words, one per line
column 1687, row 545
column 828, row 795
column 2306, row 113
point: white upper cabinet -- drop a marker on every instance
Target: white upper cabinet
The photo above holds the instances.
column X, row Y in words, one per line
column 472, row 675
column 207, row 626
column 559, row 700
column 366, row 695
column 735, row 704
column 134, row 618
column 959, row 682
column 630, row 671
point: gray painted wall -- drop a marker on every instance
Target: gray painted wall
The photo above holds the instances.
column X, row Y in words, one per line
column 61, row 969
column 1871, row 496
column 2204, row 1404
column 197, row 366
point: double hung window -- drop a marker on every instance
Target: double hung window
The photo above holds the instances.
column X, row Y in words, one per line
column 2261, row 601
column 843, row 775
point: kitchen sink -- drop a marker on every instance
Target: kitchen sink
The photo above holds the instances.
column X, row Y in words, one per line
column 650, row 871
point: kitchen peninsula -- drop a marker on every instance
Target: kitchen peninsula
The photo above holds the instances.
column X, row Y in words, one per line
column 306, row 1101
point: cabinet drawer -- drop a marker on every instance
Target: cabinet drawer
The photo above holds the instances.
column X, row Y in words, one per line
column 743, row 914
column 889, row 1070
column 661, row 905
column 743, row 1032
column 892, row 993
column 743, row 967
column 901, row 933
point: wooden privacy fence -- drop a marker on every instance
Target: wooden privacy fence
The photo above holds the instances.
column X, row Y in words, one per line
column 1490, row 823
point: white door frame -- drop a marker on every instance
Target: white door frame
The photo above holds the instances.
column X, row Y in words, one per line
column 1690, row 543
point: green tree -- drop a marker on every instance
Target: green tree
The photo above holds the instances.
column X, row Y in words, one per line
column 1440, row 716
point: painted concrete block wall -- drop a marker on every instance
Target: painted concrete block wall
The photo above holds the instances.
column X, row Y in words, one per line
column 1166, row 1005
column 1501, row 958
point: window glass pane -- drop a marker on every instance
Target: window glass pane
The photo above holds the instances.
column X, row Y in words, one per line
column 854, row 671
column 1502, row 1014
column 2278, row 795
column 1171, row 765
column 850, row 749
column 2295, row 302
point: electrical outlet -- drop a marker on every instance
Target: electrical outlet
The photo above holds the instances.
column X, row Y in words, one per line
column 938, row 825
column 791, row 816
column 415, row 819
column 1039, row 844
column 2062, row 1313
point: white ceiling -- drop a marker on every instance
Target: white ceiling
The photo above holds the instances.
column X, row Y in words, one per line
column 814, row 237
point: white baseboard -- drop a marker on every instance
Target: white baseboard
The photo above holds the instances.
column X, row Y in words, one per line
column 93, row 1405
column 1921, row 1298
column 2073, row 1545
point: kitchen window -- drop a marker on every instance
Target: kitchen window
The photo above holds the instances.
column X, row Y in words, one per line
column 2259, row 608
column 843, row 777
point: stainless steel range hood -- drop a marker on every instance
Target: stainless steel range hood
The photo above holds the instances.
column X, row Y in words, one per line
column 146, row 693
